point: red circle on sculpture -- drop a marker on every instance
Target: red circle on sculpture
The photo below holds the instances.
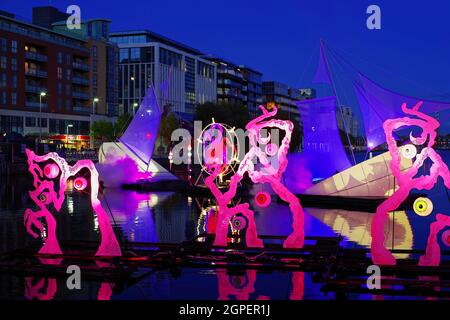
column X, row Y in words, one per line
column 51, row 170
column 80, row 183
column 262, row 199
column 446, row 238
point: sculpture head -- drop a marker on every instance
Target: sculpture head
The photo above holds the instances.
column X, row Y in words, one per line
column 416, row 148
column 271, row 154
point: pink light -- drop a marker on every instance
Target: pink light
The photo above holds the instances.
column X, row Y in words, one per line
column 148, row 135
column 408, row 180
column 108, row 246
column 51, row 171
column 80, row 183
column 262, row 199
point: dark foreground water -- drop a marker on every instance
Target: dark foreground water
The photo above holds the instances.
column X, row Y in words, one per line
column 173, row 217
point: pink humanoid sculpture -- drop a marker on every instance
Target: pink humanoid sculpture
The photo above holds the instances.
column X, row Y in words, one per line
column 226, row 213
column 408, row 181
column 44, row 195
column 267, row 173
column 273, row 174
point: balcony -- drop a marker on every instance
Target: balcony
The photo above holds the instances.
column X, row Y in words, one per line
column 35, row 105
column 80, row 95
column 35, row 56
column 80, row 81
column 36, row 73
column 82, row 109
column 81, row 66
column 44, row 35
column 34, row 89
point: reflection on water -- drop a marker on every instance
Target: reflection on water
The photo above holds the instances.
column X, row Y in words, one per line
column 174, row 217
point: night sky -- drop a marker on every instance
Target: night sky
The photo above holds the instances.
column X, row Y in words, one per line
column 410, row 54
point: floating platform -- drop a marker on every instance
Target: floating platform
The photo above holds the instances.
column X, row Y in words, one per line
column 340, row 270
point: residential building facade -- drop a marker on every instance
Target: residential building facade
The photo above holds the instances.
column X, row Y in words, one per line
column 347, row 121
column 253, row 90
column 37, row 82
column 104, row 65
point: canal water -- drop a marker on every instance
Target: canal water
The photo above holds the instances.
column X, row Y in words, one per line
column 174, row 217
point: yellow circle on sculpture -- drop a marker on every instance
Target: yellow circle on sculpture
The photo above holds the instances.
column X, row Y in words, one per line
column 423, row 206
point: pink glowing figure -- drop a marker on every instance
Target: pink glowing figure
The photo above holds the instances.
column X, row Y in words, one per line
column 225, row 213
column 408, row 181
column 271, row 174
column 266, row 174
column 44, row 195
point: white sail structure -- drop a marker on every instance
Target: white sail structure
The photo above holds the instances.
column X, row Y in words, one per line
column 122, row 161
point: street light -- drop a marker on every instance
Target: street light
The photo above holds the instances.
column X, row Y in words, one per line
column 41, row 95
column 134, row 107
column 94, row 101
column 67, row 133
column 91, row 138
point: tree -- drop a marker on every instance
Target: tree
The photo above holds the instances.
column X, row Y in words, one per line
column 167, row 125
column 121, row 124
column 102, row 130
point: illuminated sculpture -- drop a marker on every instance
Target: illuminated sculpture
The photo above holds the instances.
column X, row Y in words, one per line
column 267, row 173
column 240, row 287
column 408, row 180
column 44, row 181
column 226, row 214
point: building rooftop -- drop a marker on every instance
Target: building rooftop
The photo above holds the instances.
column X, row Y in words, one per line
column 34, row 31
column 234, row 65
column 155, row 37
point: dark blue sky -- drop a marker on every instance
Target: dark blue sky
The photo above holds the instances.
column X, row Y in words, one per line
column 410, row 54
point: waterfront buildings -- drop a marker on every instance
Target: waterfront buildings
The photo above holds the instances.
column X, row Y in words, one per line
column 285, row 97
column 347, row 121
column 238, row 84
column 50, row 79
column 180, row 74
column 104, row 62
